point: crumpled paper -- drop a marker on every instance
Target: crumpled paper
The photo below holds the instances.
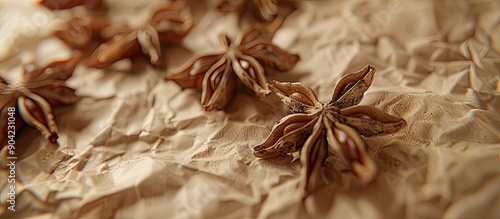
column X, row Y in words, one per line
column 137, row 146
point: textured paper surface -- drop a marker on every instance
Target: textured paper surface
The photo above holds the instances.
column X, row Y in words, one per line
column 137, row 146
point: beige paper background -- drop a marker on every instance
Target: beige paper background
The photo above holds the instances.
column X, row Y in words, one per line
column 137, row 146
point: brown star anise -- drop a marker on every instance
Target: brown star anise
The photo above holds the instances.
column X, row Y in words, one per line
column 248, row 58
column 264, row 9
column 169, row 24
column 339, row 123
column 33, row 96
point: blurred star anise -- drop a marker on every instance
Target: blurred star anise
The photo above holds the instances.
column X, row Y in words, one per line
column 81, row 31
column 33, row 96
column 67, row 4
column 248, row 58
column 339, row 123
column 169, row 24
column 265, row 10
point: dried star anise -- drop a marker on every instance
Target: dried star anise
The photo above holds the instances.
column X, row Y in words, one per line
column 339, row 123
column 168, row 24
column 33, row 96
column 249, row 58
column 264, row 9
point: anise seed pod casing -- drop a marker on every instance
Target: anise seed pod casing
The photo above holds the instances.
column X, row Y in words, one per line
column 287, row 136
column 173, row 21
column 121, row 46
column 266, row 10
column 298, row 98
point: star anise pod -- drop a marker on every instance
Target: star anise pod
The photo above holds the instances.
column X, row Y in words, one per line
column 169, row 24
column 265, row 10
column 339, row 123
column 248, row 59
column 33, row 96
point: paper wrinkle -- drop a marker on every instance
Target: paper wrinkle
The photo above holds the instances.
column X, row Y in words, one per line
column 469, row 185
column 137, row 146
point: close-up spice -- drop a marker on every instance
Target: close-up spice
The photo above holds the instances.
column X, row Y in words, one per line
column 249, row 109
